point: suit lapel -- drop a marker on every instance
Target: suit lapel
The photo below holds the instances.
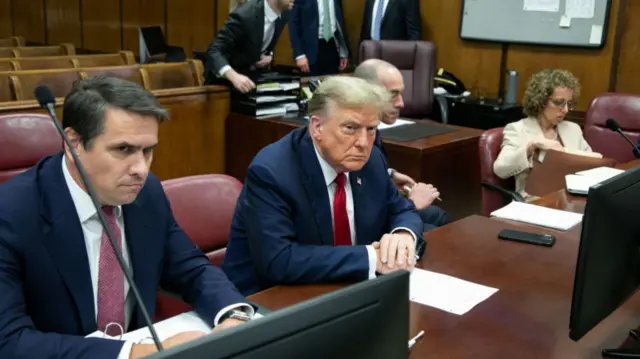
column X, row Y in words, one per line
column 357, row 190
column 315, row 186
column 390, row 7
column 369, row 19
column 258, row 35
column 64, row 240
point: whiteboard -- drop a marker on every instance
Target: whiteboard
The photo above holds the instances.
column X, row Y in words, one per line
column 536, row 22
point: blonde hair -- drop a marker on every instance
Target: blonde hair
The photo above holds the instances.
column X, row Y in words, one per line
column 542, row 85
column 348, row 93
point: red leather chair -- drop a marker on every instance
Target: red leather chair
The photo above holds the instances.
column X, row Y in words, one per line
column 203, row 206
column 496, row 192
column 25, row 139
column 625, row 109
column 416, row 61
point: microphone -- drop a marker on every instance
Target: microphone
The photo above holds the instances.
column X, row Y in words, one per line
column 47, row 101
column 615, row 127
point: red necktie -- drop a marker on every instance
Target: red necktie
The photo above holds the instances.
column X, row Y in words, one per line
column 341, row 229
column 110, row 280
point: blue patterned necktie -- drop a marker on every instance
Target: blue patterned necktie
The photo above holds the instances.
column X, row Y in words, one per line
column 377, row 21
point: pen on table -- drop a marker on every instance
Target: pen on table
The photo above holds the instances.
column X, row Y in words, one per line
column 413, row 340
column 408, row 190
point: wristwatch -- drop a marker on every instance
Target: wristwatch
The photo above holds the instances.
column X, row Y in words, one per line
column 235, row 314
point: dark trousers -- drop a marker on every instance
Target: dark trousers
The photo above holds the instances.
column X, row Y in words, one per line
column 328, row 59
column 433, row 217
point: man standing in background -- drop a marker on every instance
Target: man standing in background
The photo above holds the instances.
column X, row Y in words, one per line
column 318, row 37
column 391, row 20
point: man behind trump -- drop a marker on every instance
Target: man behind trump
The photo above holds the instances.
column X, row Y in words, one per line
column 318, row 206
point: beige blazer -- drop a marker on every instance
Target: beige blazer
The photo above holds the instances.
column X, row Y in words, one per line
column 513, row 161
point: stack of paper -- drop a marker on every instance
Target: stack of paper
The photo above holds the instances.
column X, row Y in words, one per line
column 399, row 122
column 447, row 293
column 538, row 215
column 580, row 182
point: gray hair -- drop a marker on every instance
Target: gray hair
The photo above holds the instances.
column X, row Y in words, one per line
column 348, row 92
column 86, row 104
column 371, row 69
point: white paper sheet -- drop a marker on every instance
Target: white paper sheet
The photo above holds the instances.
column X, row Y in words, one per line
column 399, row 122
column 185, row 322
column 565, row 21
column 538, row 215
column 601, row 173
column 541, row 5
column 596, row 34
column 581, row 9
column 445, row 292
column 580, row 182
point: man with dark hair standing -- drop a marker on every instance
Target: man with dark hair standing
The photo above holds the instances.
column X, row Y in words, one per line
column 59, row 276
column 391, row 20
column 422, row 195
column 245, row 43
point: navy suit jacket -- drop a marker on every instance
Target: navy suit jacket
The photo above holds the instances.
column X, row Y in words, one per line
column 304, row 25
column 46, row 297
column 282, row 230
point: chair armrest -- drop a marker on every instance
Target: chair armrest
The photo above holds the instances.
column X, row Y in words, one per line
column 513, row 195
column 443, row 106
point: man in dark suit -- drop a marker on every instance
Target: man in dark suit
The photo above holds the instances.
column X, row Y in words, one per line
column 59, row 277
column 636, row 151
column 317, row 206
column 391, row 20
column 318, row 37
column 245, row 43
column 422, row 195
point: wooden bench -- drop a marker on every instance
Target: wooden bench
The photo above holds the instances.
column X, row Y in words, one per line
column 66, row 62
column 12, row 41
column 35, row 51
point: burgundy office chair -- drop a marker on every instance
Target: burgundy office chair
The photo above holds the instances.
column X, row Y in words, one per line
column 625, row 109
column 25, row 139
column 203, row 206
column 496, row 192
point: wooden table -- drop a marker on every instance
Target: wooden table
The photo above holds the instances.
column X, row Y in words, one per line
column 527, row 318
column 449, row 161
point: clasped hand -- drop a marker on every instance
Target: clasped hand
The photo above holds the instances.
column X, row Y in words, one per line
column 395, row 251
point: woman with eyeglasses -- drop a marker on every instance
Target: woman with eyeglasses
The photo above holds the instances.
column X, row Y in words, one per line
column 549, row 96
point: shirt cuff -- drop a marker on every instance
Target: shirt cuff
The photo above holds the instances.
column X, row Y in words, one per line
column 224, row 70
column 373, row 261
column 415, row 239
column 125, row 352
column 301, row 57
column 239, row 306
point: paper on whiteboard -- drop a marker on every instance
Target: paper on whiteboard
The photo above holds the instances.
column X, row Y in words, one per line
column 596, row 34
column 565, row 21
column 583, row 9
column 542, row 5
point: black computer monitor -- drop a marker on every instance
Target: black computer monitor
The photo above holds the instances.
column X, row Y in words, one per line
column 365, row 320
column 608, row 268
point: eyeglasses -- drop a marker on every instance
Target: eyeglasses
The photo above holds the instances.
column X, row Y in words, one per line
column 560, row 103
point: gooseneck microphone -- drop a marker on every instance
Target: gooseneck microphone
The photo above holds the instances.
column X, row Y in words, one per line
column 47, row 101
column 615, row 127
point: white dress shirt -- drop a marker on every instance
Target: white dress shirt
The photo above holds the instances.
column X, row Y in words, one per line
column 270, row 17
column 92, row 231
column 375, row 13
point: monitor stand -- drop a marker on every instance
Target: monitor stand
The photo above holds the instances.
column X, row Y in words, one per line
column 631, row 352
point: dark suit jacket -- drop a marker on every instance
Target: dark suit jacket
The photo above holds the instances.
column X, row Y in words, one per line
column 304, row 23
column 46, row 300
column 635, row 151
column 282, row 230
column 239, row 42
column 401, row 21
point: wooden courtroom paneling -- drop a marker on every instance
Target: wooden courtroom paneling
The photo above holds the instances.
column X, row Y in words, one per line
column 592, row 67
column 63, row 22
column 629, row 65
column 283, row 53
column 140, row 13
column 191, row 24
column 28, row 20
column 353, row 12
column 101, row 25
column 222, row 12
column 6, row 22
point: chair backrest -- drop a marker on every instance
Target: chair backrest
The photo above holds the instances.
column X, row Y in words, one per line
column 203, row 206
column 102, row 60
column 489, row 148
column 625, row 109
column 43, row 63
column 174, row 75
column 60, row 81
column 7, row 65
column 127, row 72
column 12, row 41
column 25, row 138
column 34, row 51
column 7, row 52
column 416, row 61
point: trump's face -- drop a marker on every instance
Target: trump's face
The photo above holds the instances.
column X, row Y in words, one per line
column 344, row 137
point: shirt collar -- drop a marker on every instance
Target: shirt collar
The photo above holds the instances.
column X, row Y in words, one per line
column 329, row 172
column 84, row 206
column 269, row 12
